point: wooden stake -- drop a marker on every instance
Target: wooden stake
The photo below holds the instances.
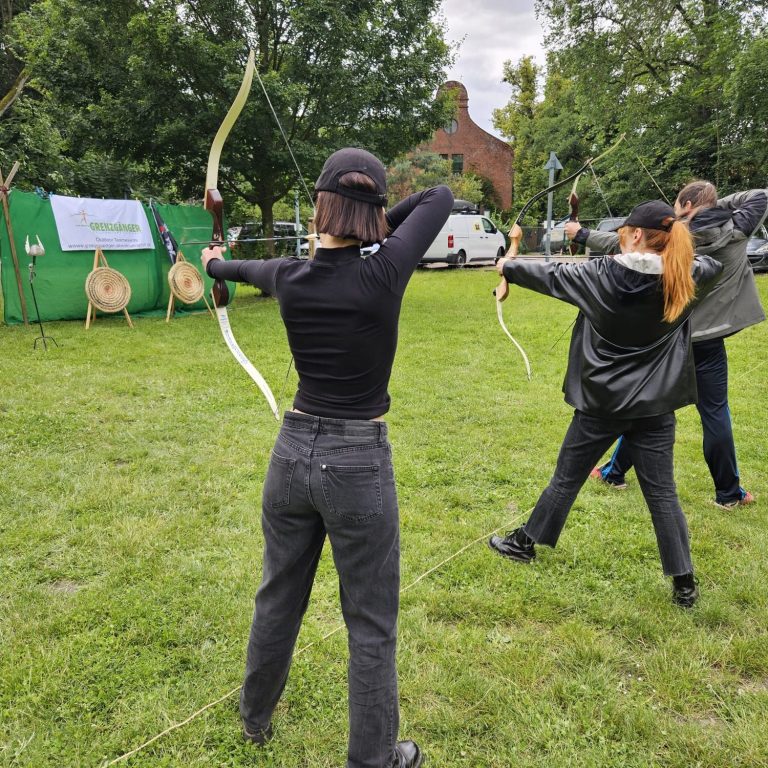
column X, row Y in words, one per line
column 4, row 189
column 90, row 304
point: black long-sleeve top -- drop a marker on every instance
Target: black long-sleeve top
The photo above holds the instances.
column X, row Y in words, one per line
column 341, row 310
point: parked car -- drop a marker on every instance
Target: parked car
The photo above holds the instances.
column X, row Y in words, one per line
column 757, row 250
column 604, row 225
column 556, row 234
column 466, row 239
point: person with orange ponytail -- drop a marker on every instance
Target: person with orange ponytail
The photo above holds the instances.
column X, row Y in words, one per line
column 630, row 367
column 721, row 228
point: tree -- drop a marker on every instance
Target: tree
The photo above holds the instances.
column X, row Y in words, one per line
column 516, row 122
column 661, row 73
column 13, row 75
column 149, row 82
column 423, row 170
column 745, row 90
column 538, row 126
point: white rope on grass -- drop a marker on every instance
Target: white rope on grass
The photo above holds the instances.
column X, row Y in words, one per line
column 744, row 374
column 234, row 691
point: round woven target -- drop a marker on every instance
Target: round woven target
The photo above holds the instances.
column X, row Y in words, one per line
column 107, row 289
column 186, row 282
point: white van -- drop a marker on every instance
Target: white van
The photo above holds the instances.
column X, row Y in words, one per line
column 466, row 239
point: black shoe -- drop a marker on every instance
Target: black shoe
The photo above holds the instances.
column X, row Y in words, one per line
column 684, row 590
column 516, row 545
column 259, row 738
column 407, row 755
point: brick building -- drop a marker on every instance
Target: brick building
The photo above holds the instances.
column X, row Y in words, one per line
column 473, row 149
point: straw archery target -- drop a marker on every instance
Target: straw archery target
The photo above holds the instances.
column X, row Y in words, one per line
column 107, row 289
column 186, row 282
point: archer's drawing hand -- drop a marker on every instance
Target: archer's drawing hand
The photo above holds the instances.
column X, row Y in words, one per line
column 571, row 229
column 213, row 252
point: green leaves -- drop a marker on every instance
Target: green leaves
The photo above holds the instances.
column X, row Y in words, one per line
column 682, row 79
column 145, row 84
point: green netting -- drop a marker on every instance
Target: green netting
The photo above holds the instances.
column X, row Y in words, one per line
column 60, row 281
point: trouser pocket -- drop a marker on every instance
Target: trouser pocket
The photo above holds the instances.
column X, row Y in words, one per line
column 277, row 485
column 352, row 492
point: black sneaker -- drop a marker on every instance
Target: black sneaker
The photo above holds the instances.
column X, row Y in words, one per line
column 259, row 737
column 407, row 755
column 516, row 545
column 684, row 590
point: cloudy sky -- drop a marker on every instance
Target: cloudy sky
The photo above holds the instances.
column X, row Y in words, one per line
column 489, row 32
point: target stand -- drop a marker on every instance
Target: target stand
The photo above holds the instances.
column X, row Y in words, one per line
column 107, row 290
column 186, row 285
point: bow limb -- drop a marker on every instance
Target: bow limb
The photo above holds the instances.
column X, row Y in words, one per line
column 573, row 197
column 516, row 233
column 502, row 291
column 215, row 205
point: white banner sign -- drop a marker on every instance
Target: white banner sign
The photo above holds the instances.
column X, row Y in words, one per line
column 113, row 225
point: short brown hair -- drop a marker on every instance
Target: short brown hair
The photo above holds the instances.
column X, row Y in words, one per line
column 351, row 219
column 700, row 194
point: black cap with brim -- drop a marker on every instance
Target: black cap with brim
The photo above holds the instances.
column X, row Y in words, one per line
column 353, row 160
column 653, row 214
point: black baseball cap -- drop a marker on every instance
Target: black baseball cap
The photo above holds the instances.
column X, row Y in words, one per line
column 653, row 214
column 349, row 160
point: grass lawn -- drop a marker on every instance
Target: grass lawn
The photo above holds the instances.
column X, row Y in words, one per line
column 132, row 464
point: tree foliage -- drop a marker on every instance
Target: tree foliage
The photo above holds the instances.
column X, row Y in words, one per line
column 423, row 170
column 146, row 83
column 682, row 78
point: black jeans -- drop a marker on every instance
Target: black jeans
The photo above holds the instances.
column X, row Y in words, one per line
column 650, row 442
column 719, row 449
column 334, row 477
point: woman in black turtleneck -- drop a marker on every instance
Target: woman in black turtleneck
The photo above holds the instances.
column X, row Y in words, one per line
column 331, row 467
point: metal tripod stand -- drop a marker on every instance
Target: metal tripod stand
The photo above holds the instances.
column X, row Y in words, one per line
column 34, row 251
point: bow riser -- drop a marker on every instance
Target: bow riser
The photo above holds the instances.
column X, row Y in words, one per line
column 214, row 204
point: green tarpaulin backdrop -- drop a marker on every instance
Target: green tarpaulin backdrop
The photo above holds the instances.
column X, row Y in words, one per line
column 60, row 281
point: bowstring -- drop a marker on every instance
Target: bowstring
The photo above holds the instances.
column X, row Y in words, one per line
column 600, row 190
column 285, row 139
column 650, row 175
column 306, row 191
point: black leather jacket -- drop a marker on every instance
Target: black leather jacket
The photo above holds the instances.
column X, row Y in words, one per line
column 721, row 232
column 624, row 361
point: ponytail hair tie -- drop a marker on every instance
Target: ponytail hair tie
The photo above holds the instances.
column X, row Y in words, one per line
column 668, row 221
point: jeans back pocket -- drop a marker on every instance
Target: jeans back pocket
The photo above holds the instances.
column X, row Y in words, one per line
column 352, row 492
column 277, row 485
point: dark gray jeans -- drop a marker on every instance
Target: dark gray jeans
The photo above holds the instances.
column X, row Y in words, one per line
column 650, row 442
column 334, row 477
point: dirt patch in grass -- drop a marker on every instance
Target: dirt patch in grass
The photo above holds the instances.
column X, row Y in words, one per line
column 65, row 587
